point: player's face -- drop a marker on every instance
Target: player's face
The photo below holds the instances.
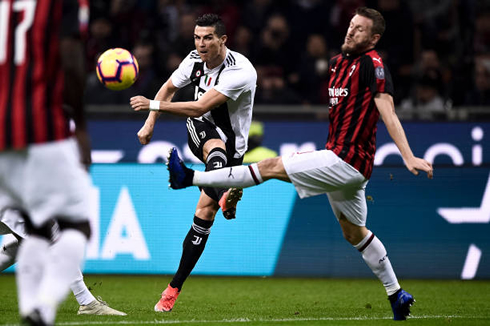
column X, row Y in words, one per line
column 209, row 45
column 359, row 37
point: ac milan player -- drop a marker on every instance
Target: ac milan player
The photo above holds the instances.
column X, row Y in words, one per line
column 360, row 90
column 40, row 171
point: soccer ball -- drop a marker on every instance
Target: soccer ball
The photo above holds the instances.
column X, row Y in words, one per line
column 117, row 69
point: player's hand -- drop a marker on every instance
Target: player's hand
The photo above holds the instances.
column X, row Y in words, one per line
column 145, row 134
column 139, row 103
column 415, row 164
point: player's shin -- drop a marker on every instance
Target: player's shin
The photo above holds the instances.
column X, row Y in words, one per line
column 62, row 266
column 376, row 257
column 236, row 176
column 80, row 290
column 193, row 247
column 30, row 268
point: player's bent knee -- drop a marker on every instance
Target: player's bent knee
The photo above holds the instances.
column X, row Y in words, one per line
column 83, row 227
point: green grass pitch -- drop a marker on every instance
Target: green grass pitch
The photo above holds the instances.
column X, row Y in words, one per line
column 268, row 301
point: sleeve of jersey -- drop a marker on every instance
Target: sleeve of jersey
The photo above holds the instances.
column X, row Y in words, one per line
column 234, row 81
column 181, row 76
column 378, row 77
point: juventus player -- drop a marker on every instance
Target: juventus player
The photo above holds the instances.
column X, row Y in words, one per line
column 360, row 90
column 40, row 169
column 217, row 125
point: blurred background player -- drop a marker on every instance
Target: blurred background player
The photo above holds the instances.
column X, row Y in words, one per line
column 342, row 171
column 256, row 152
column 12, row 222
column 217, row 126
column 40, row 169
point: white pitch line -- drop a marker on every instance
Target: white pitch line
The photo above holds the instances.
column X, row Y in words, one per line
column 247, row 320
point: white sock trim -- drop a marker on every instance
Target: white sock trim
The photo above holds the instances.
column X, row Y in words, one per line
column 254, row 171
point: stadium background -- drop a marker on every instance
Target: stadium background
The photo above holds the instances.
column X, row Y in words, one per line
column 438, row 53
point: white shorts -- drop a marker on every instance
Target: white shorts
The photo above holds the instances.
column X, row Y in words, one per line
column 12, row 222
column 45, row 181
column 320, row 172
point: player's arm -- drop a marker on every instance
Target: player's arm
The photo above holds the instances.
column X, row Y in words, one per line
column 207, row 102
column 164, row 94
column 73, row 62
column 386, row 107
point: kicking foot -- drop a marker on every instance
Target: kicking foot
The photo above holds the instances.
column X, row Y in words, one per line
column 400, row 304
column 180, row 176
column 167, row 301
column 228, row 202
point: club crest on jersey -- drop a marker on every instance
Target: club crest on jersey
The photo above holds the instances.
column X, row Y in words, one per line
column 379, row 72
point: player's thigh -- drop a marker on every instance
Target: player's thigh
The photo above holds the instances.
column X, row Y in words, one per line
column 350, row 202
column 318, row 172
column 57, row 185
column 200, row 132
column 12, row 183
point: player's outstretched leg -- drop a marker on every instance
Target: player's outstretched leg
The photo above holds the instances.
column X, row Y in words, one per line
column 180, row 176
column 401, row 302
column 228, row 202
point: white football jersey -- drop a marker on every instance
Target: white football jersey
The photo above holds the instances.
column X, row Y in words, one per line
column 235, row 78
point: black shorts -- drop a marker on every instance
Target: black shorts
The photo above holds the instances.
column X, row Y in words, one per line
column 199, row 132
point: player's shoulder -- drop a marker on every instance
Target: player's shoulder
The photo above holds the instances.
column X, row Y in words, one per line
column 373, row 57
column 236, row 60
column 193, row 56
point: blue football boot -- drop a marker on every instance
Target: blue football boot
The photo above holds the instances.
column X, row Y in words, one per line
column 400, row 304
column 180, row 176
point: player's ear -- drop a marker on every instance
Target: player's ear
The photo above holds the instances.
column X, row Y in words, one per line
column 223, row 39
column 375, row 38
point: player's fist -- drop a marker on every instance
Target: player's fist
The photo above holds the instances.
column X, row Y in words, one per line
column 145, row 134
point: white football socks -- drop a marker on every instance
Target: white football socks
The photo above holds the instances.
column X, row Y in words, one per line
column 241, row 176
column 61, row 268
column 8, row 252
column 374, row 254
column 31, row 258
column 80, row 290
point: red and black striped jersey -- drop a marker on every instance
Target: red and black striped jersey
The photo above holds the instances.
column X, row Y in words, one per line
column 353, row 83
column 31, row 74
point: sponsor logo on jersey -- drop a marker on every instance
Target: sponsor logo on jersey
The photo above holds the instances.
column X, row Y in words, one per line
column 338, row 91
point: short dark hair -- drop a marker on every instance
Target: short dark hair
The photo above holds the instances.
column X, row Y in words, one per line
column 379, row 24
column 212, row 20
